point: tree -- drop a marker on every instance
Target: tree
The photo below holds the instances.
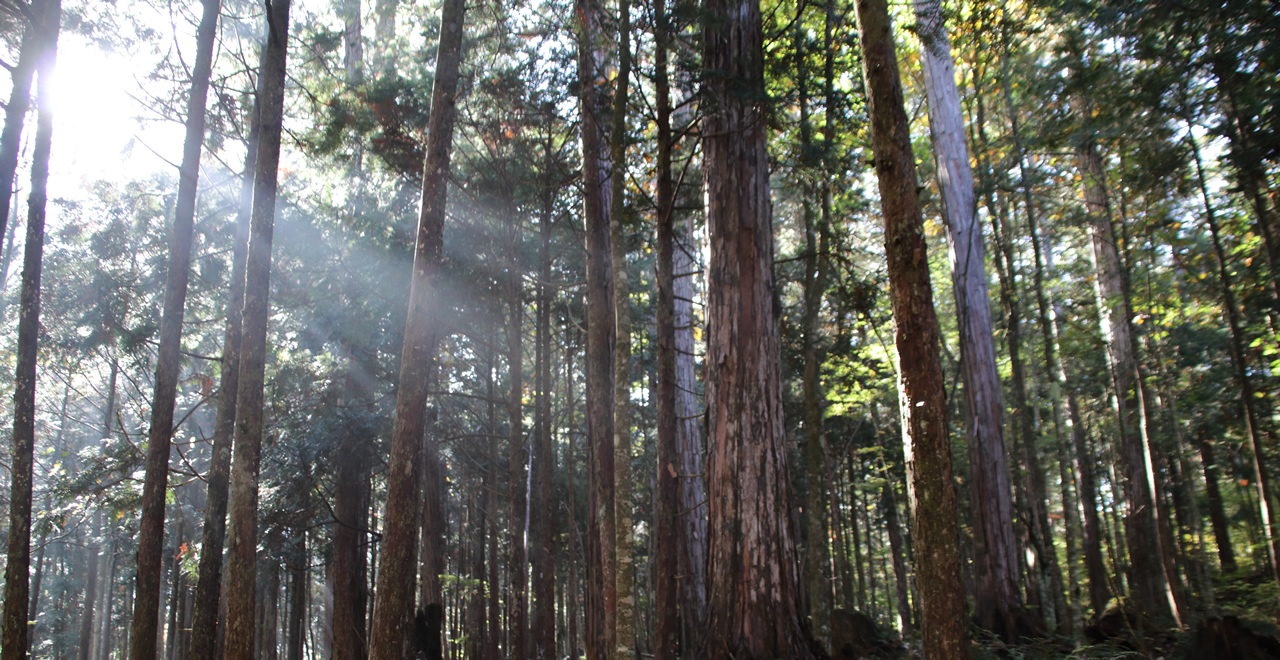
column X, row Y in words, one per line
column 754, row 607
column 239, row 635
column 394, row 594
column 47, row 21
column 921, row 393
column 159, row 439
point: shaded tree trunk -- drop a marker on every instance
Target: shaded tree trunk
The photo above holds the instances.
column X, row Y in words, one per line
column 242, row 558
column 208, row 591
column 396, row 575
column 15, row 636
column 921, row 388
column 755, row 605
column 518, row 564
column 601, row 594
column 542, row 525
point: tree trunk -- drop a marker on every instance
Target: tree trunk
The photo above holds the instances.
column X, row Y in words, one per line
column 666, row 578
column 601, row 594
column 1239, row 360
column 1217, row 517
column 434, row 492
column 571, row 516
column 15, row 112
column 542, row 525
column 242, row 559
column 755, row 605
column 518, row 566
column 168, row 359
column 297, row 597
column 396, row 576
column 90, row 595
column 14, row 641
column 921, row 388
column 624, row 541
column 204, row 621
column 1146, row 575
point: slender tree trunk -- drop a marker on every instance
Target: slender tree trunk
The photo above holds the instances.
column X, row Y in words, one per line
column 297, row 597
column 1146, row 574
column 14, row 640
column 1217, row 517
column 395, row 586
column 624, row 541
column 204, row 621
column 1239, row 359
column 921, row 388
column 90, row 595
column 571, row 517
column 15, row 111
column 518, row 568
column 242, row 559
column 542, row 525
column 350, row 594
column 755, row 605
column 601, row 594
column 667, row 611
column 434, row 492
column 168, row 360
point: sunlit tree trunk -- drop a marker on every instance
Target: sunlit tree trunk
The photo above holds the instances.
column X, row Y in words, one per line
column 15, row 111
column 396, row 571
column 242, row 557
column 168, row 361
column 754, row 607
column 15, row 634
column 921, row 393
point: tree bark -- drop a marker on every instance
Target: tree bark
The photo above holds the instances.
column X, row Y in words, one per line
column 208, row 592
column 542, row 524
column 396, row 576
column 755, row 605
column 921, row 388
column 601, row 594
column 168, row 360
column 242, row 560
column 14, row 638
column 518, row 564
column 90, row 596
column 624, row 540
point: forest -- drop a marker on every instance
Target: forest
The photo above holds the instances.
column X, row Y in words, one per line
column 726, row 329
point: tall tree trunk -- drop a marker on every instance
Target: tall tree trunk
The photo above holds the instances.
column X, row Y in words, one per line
column 997, row 601
column 395, row 586
column 755, row 605
column 542, row 525
column 434, row 492
column 204, row 621
column 1239, row 360
column 168, row 359
column 297, row 596
column 601, row 594
column 14, row 640
column 90, row 595
column 666, row 587
column 921, row 388
column 242, row 559
column 571, row 516
column 350, row 593
column 1217, row 517
column 624, row 541
column 518, row 566
column 1146, row 574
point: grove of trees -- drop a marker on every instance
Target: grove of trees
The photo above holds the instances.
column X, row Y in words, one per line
column 614, row 330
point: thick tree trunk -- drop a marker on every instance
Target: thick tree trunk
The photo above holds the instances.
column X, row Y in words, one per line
column 921, row 388
column 601, row 594
column 396, row 576
column 168, row 359
column 624, row 540
column 242, row 559
column 350, row 593
column 14, row 640
column 997, row 601
column 755, row 604
column 208, row 592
